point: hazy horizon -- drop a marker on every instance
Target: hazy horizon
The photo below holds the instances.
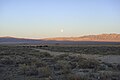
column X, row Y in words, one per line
column 64, row 18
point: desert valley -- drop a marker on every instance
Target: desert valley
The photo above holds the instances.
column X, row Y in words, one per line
column 59, row 39
column 96, row 58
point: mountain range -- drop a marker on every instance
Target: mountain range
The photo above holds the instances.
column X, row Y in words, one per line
column 100, row 37
column 89, row 39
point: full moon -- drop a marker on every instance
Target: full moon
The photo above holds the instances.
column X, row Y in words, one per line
column 61, row 30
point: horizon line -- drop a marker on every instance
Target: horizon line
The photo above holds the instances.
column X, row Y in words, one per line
column 55, row 36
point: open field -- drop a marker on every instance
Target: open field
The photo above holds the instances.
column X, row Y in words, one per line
column 60, row 62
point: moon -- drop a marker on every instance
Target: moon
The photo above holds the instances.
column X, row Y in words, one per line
column 61, row 30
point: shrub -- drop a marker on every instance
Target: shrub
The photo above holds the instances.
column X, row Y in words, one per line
column 88, row 63
column 65, row 66
column 44, row 71
column 40, row 64
column 61, row 57
column 76, row 77
column 7, row 60
column 27, row 70
column 41, row 54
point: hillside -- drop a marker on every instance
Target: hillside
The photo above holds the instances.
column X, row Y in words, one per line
column 100, row 37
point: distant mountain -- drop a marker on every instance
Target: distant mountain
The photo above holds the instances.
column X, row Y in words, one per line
column 17, row 40
column 101, row 37
column 90, row 39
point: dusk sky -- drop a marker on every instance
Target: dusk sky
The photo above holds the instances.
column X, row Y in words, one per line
column 58, row 18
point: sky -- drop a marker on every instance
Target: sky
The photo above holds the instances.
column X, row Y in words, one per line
column 58, row 18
